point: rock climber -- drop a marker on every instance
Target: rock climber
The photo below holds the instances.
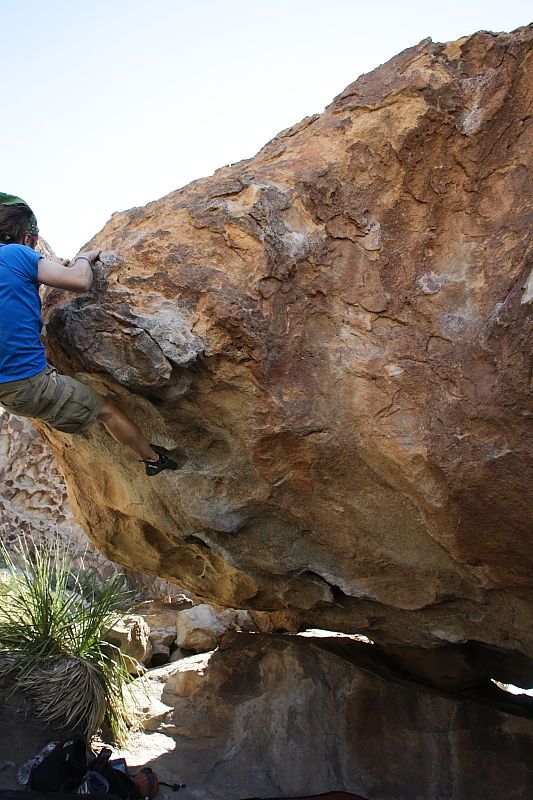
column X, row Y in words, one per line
column 29, row 386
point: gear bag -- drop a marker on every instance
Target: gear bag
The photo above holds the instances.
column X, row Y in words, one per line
column 68, row 769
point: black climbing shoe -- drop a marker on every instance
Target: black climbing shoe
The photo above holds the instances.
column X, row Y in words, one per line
column 155, row 467
column 164, row 462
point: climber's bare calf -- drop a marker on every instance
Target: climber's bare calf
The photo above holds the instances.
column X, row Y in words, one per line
column 124, row 431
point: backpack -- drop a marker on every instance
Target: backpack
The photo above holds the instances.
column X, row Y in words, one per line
column 67, row 769
column 143, row 786
column 64, row 766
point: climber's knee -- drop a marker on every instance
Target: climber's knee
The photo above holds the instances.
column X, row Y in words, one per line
column 108, row 411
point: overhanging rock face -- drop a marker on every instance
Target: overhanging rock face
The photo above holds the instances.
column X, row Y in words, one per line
column 336, row 332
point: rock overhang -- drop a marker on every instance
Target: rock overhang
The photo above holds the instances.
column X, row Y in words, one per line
column 335, row 332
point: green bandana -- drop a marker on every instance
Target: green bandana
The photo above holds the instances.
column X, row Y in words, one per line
column 13, row 200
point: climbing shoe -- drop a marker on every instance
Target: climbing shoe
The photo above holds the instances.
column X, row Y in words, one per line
column 164, row 462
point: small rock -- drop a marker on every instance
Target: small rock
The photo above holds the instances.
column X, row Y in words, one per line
column 237, row 620
column 199, row 629
column 164, row 636
column 131, row 634
column 156, row 715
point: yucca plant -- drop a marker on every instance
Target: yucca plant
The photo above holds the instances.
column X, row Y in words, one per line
column 53, row 620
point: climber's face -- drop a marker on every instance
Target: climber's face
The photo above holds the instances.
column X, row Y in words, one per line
column 30, row 240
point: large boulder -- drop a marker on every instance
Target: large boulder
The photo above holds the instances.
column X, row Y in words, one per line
column 280, row 717
column 335, row 331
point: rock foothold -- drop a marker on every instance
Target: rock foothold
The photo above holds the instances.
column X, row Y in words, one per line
column 336, row 333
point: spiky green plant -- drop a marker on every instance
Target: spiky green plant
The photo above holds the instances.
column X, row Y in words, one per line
column 53, row 620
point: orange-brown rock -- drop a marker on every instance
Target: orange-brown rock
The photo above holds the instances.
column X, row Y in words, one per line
column 336, row 333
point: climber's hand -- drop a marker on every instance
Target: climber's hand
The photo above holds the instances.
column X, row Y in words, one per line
column 92, row 255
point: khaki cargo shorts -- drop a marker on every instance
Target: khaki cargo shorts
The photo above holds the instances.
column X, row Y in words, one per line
column 63, row 402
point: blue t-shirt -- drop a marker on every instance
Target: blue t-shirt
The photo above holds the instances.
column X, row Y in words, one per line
column 21, row 350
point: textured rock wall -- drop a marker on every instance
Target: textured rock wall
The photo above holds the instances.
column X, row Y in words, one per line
column 33, row 498
column 336, row 332
column 34, row 503
column 291, row 719
column 279, row 717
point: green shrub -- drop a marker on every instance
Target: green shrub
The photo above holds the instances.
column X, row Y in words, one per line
column 53, row 620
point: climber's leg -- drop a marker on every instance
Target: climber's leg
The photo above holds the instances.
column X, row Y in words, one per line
column 124, row 431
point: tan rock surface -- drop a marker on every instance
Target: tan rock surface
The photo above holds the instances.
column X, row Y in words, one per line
column 199, row 629
column 33, row 495
column 34, row 503
column 131, row 634
column 336, row 333
column 158, row 614
column 266, row 716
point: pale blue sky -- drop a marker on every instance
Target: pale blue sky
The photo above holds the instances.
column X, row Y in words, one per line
column 108, row 104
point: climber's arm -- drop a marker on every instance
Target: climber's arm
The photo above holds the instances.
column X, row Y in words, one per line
column 76, row 278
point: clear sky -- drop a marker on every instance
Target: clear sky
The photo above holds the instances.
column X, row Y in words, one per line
column 108, row 104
